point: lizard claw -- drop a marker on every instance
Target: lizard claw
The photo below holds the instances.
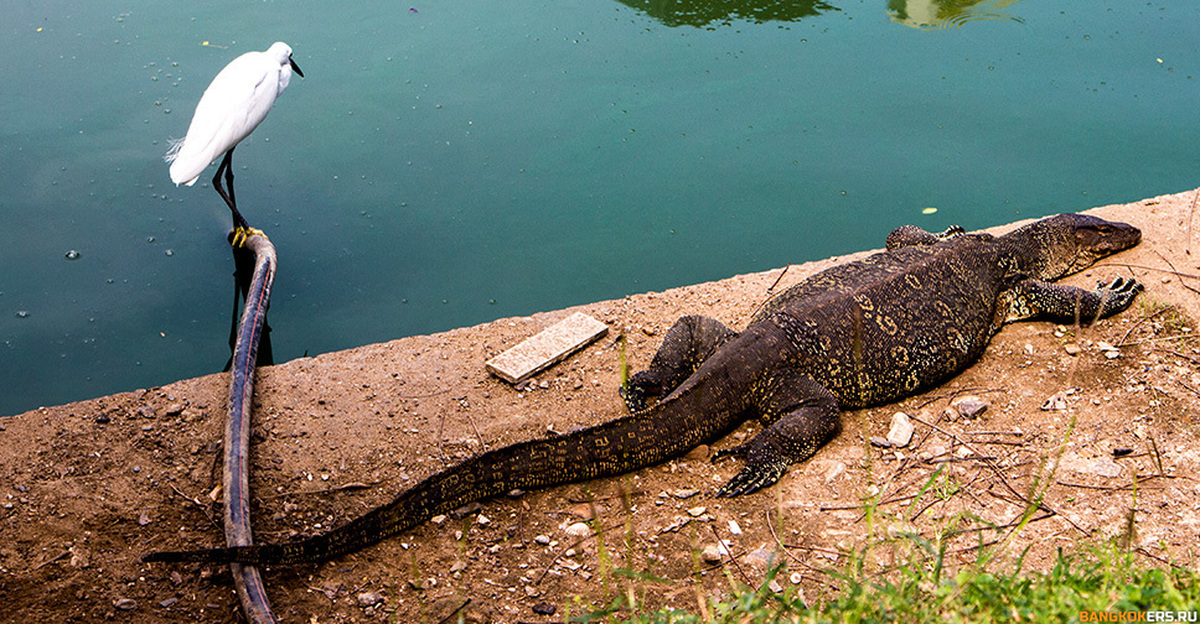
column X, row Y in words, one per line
column 953, row 231
column 634, row 396
column 733, row 451
column 1117, row 294
column 753, row 478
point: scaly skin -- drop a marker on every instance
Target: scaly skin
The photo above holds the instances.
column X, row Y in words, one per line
column 860, row 334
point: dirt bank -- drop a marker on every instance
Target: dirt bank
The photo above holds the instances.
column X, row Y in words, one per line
column 91, row 486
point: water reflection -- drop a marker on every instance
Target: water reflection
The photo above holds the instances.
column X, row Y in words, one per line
column 923, row 14
column 927, row 14
column 712, row 13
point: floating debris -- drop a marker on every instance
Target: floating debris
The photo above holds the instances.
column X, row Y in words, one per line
column 72, row 255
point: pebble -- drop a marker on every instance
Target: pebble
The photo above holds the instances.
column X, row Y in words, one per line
column 544, row 608
column 369, row 599
column 544, row 540
column 168, row 602
column 125, row 604
column 836, row 469
column 682, row 493
column 466, row 510
column 711, row 554
column 1072, row 349
column 735, row 528
column 969, row 406
column 1055, row 403
column 579, row 529
column 1104, row 467
column 696, row 512
column 902, row 430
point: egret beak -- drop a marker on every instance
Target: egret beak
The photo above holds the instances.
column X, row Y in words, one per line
column 295, row 67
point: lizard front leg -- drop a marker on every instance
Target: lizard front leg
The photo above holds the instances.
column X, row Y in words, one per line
column 1035, row 298
column 803, row 416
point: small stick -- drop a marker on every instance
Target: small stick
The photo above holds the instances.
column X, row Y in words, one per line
column 720, row 547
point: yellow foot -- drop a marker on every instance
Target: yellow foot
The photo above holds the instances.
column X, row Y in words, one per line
column 241, row 234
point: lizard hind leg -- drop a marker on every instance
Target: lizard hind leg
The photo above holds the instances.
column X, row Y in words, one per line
column 690, row 341
column 803, row 414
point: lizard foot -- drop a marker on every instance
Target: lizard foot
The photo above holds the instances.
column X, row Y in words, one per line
column 635, row 397
column 952, row 232
column 1117, row 294
column 761, row 470
column 754, row 477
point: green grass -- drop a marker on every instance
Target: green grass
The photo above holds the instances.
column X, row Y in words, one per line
column 906, row 577
column 1107, row 580
column 910, row 578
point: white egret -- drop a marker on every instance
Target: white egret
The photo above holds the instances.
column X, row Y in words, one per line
column 238, row 99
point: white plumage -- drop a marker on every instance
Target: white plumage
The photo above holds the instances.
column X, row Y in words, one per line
column 238, row 99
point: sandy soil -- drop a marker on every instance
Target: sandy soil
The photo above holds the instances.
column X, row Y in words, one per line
column 89, row 487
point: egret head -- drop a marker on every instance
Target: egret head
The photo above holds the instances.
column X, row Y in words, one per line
column 282, row 54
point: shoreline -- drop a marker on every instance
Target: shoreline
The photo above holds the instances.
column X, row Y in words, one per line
column 94, row 484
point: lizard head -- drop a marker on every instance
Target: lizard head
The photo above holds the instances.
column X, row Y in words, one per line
column 1071, row 242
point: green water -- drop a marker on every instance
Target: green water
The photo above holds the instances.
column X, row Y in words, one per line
column 447, row 163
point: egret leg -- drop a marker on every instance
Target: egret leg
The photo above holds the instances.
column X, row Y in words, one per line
column 241, row 229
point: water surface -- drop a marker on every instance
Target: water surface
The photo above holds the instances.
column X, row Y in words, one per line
column 444, row 164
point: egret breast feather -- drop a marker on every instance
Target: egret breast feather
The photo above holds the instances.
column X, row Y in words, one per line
column 236, row 102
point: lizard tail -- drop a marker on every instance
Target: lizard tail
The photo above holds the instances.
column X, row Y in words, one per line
column 612, row 448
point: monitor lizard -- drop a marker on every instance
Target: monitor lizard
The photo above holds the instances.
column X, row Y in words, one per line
column 859, row 334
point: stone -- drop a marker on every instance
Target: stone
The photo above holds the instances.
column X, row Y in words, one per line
column 969, row 406
column 545, row 348
column 369, row 599
column 1057, row 402
column 902, row 430
column 579, row 529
